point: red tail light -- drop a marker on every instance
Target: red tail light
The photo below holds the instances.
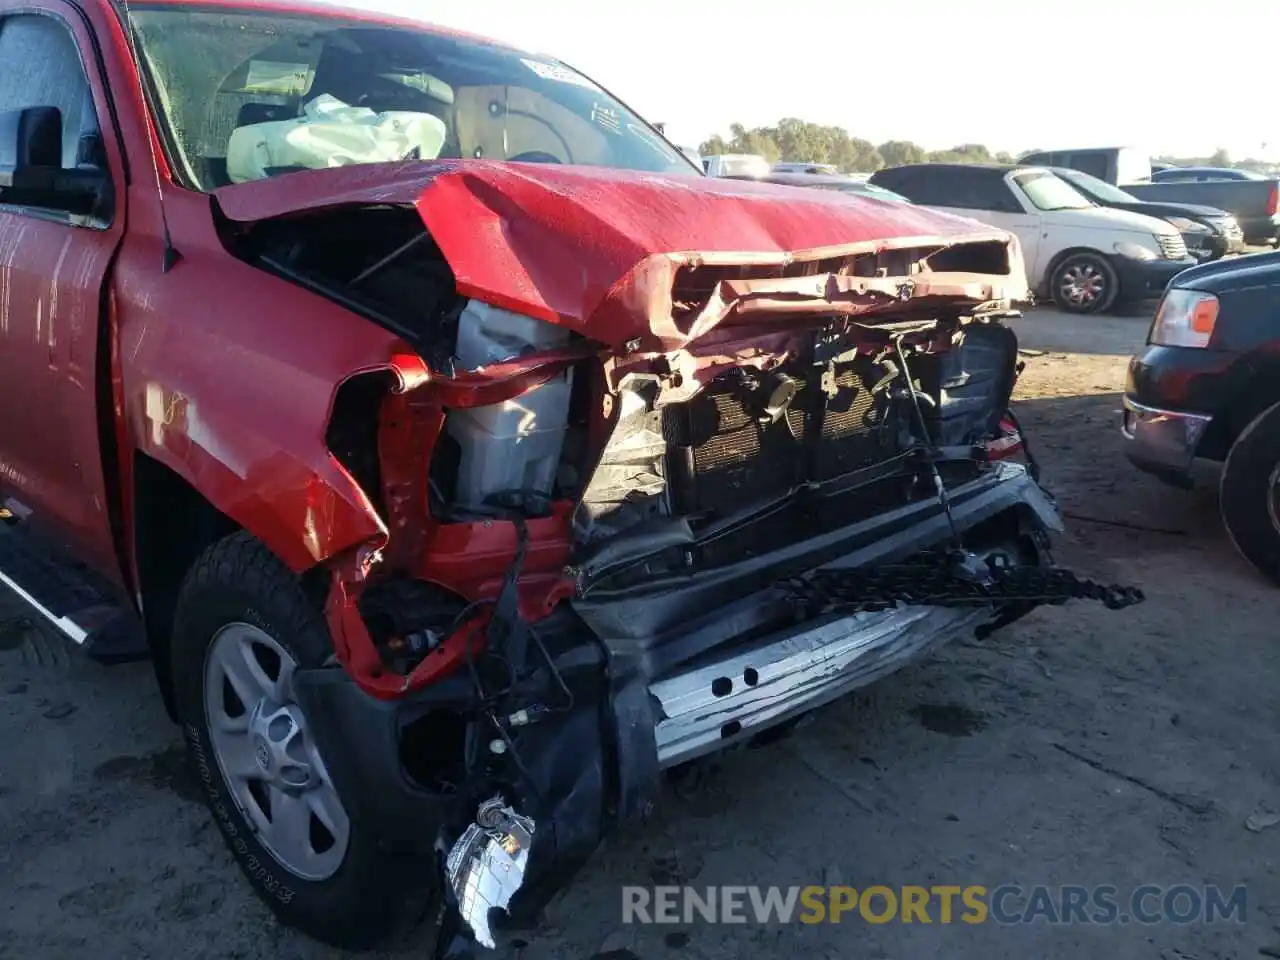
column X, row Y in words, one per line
column 1008, row 444
column 1273, row 200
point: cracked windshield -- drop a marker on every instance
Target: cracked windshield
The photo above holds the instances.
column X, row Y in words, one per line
column 246, row 96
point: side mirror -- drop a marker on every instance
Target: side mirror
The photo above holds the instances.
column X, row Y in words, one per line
column 31, row 172
column 30, row 145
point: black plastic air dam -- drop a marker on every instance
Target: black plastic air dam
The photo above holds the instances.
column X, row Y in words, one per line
column 639, row 704
column 360, row 740
column 584, row 762
column 676, row 619
column 612, row 758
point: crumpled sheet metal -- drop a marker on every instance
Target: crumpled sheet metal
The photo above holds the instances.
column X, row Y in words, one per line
column 486, row 866
column 598, row 249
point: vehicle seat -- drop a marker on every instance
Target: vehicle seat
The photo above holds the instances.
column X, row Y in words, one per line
column 251, row 113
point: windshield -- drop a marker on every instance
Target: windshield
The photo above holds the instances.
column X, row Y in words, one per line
column 1048, row 192
column 245, row 95
column 880, row 193
column 1094, row 188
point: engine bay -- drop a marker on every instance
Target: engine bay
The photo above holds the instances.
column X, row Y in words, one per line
column 831, row 402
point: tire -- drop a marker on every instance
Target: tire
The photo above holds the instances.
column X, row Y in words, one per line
column 1084, row 283
column 240, row 608
column 1249, row 492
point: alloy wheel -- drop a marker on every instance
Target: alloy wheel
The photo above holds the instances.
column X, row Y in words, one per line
column 1083, row 284
column 267, row 754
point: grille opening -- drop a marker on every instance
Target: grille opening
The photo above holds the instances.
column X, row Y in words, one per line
column 840, row 453
column 1172, row 246
column 433, row 750
column 726, row 450
column 724, row 456
column 987, row 257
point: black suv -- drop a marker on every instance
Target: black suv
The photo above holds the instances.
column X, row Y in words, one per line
column 1207, row 386
column 1210, row 233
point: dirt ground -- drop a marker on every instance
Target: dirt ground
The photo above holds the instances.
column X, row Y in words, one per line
column 1079, row 746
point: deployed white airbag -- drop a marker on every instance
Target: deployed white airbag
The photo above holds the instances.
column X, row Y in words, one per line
column 331, row 133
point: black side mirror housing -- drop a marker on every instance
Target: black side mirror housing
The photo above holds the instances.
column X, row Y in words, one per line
column 91, row 152
column 30, row 145
column 31, row 172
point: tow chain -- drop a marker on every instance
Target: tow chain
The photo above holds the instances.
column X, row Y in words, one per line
column 935, row 579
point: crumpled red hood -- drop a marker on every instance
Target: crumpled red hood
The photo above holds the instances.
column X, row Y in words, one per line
column 597, row 249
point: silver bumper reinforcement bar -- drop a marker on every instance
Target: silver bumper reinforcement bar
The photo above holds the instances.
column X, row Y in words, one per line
column 711, row 706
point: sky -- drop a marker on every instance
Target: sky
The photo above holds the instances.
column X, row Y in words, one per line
column 1182, row 77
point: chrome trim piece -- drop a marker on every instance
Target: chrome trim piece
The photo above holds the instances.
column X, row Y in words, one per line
column 486, row 866
column 1172, row 246
column 73, row 630
column 1146, row 411
column 709, row 707
column 1194, row 424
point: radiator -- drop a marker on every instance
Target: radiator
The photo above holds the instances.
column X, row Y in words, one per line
column 725, row 451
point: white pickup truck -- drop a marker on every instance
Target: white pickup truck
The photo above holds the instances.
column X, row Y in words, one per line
column 1086, row 257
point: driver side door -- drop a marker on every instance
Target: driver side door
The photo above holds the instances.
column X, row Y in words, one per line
column 1023, row 220
column 54, row 379
column 984, row 193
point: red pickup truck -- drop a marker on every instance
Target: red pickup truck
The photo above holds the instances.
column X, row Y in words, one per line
column 459, row 455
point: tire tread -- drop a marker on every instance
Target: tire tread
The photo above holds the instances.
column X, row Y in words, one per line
column 379, row 897
column 1242, row 492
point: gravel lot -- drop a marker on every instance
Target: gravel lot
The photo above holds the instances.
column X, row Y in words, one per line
column 1078, row 747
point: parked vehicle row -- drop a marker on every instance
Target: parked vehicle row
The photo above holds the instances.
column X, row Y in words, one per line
column 1084, row 256
column 1202, row 174
column 1209, row 233
column 1075, row 227
column 1254, row 203
column 1253, row 200
column 841, row 184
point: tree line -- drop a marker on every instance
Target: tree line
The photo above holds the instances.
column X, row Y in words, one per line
column 799, row 140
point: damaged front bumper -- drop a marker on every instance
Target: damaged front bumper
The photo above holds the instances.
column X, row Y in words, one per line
column 734, row 698
column 657, row 679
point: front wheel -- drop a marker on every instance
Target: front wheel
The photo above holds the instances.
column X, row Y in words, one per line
column 1249, row 492
column 1084, row 283
column 243, row 627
